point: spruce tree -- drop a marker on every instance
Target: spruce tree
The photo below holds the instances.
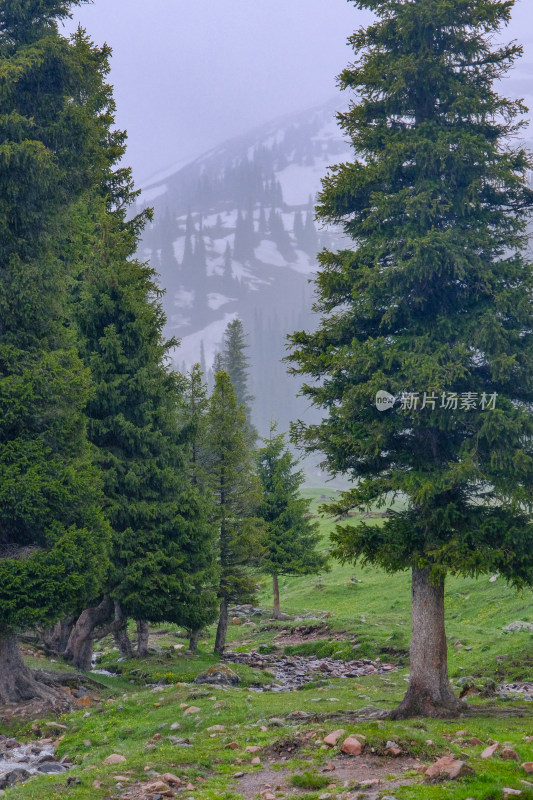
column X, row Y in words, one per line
column 432, row 305
column 237, row 494
column 53, row 536
column 235, row 363
column 291, row 538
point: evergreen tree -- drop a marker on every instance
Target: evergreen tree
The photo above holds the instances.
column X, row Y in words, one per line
column 162, row 539
column 291, row 537
column 52, row 132
column 433, row 304
column 237, row 495
column 234, row 362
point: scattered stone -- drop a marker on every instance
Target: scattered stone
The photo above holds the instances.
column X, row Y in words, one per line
column 332, row 739
column 518, row 625
column 238, row 774
column 267, row 795
column 275, row 722
column 232, row 746
column 175, row 726
column 510, row 792
column 253, row 748
column 508, row 754
column 255, row 761
column 528, row 766
column 298, row 714
column 191, row 710
column 12, row 777
column 488, row 752
column 474, row 741
column 171, row 779
column 114, row 758
column 217, row 729
column 50, row 767
column 449, row 767
column 352, row 746
column 218, row 674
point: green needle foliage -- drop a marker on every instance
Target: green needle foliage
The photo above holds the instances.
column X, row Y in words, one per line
column 434, row 297
column 52, row 533
column 291, row 537
column 234, row 361
column 237, row 495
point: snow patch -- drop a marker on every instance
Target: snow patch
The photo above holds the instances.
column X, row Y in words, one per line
column 211, row 336
column 217, row 300
column 268, row 252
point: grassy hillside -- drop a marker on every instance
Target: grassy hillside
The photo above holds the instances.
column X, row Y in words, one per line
column 365, row 617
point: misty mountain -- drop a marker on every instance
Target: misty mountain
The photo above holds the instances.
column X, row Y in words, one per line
column 234, row 234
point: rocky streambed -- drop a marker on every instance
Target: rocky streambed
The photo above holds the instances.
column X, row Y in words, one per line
column 19, row 761
column 290, row 672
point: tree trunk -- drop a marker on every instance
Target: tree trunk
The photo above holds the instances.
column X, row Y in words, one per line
column 222, row 628
column 275, row 590
column 121, row 637
column 429, row 693
column 142, row 638
column 193, row 640
column 55, row 640
column 17, row 682
column 80, row 644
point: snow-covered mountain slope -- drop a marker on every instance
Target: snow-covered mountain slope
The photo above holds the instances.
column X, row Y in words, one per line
column 234, row 234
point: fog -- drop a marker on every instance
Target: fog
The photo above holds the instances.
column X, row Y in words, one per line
column 188, row 75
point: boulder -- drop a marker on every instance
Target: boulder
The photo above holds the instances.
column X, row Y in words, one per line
column 332, row 739
column 508, row 754
column 191, row 710
column 488, row 752
column 114, row 758
column 528, row 766
column 352, row 746
column 518, row 625
column 218, row 674
column 447, row 767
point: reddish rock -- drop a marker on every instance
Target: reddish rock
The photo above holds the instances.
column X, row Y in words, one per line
column 191, row 710
column 528, row 766
column 171, row 779
column 256, row 760
column 508, row 754
column 475, row 742
column 253, row 748
column 235, row 621
column 393, row 751
column 232, row 746
column 449, row 767
column 488, row 752
column 332, row 739
column 352, row 746
column 114, row 758
column 158, row 787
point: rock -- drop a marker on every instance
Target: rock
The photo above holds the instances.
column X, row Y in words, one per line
column 393, row 751
column 508, row 754
column 510, row 792
column 324, row 796
column 352, row 746
column 488, row 752
column 238, row 774
column 528, row 766
column 298, row 714
column 49, row 767
column 235, row 621
column 216, row 729
column 253, row 748
column 13, row 777
column 518, row 625
column 232, row 746
column 171, row 779
column 114, row 758
column 175, row 726
column 178, row 740
column 191, row 710
column 449, row 767
column 256, row 760
column 218, row 674
column 474, row 741
column 275, row 722
column 332, row 739
column 266, row 795
column 160, row 788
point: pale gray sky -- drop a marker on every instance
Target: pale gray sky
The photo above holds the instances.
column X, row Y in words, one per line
column 189, row 74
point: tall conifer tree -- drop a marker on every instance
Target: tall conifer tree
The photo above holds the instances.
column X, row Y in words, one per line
column 432, row 304
column 53, row 137
column 237, row 495
column 291, row 537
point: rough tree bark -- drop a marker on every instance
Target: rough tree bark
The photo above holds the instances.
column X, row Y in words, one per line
column 194, row 636
column 222, row 628
column 80, row 644
column 142, row 638
column 120, row 636
column 17, row 682
column 429, row 693
column 275, row 591
column 55, row 640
